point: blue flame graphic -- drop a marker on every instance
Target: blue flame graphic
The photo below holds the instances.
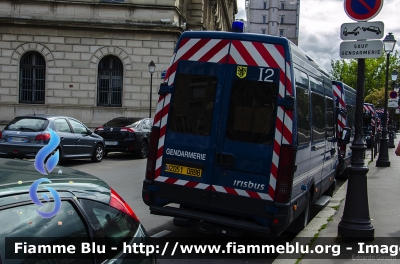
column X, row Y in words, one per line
column 35, row 198
column 46, row 151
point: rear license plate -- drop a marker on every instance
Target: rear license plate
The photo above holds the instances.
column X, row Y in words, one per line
column 17, row 139
column 111, row 143
column 183, row 170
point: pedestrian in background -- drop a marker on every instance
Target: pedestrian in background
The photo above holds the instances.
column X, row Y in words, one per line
column 397, row 151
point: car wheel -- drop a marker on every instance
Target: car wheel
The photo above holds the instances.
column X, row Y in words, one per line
column 98, row 153
column 143, row 150
column 331, row 190
column 60, row 159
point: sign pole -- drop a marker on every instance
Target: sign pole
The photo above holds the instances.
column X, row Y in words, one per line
column 383, row 159
column 355, row 222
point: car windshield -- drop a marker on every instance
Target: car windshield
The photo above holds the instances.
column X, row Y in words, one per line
column 121, row 122
column 27, row 124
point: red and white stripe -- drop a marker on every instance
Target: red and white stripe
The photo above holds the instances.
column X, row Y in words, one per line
column 245, row 193
column 339, row 94
column 381, row 112
column 371, row 109
column 245, row 53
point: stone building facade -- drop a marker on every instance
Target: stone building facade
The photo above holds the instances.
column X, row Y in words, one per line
column 89, row 59
column 274, row 17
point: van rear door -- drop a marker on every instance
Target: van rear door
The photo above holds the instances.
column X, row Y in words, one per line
column 191, row 132
column 247, row 152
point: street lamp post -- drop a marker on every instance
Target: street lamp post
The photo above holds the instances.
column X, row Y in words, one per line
column 383, row 159
column 152, row 68
column 355, row 222
column 392, row 123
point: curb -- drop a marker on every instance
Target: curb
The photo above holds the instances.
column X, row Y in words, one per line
column 314, row 227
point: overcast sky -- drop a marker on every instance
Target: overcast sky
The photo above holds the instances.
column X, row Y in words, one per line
column 320, row 21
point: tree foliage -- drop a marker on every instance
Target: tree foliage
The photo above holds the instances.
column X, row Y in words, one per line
column 345, row 70
column 376, row 97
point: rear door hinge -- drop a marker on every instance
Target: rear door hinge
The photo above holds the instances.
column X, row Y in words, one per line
column 165, row 88
column 287, row 102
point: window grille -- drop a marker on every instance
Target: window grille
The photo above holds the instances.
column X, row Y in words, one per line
column 32, row 78
column 109, row 90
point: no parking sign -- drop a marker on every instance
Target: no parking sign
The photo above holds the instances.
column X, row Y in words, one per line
column 362, row 10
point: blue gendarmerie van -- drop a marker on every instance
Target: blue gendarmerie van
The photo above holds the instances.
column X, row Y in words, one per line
column 244, row 135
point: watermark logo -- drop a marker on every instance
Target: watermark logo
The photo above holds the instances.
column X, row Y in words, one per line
column 43, row 166
column 35, row 198
column 45, row 161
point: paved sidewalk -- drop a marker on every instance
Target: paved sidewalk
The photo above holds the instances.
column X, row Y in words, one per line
column 383, row 199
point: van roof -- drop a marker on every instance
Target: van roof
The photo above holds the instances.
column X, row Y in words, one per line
column 237, row 36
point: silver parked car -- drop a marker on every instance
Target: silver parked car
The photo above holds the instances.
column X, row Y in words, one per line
column 24, row 136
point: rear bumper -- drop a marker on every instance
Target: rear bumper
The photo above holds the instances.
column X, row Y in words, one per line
column 241, row 212
column 19, row 151
column 208, row 217
column 122, row 146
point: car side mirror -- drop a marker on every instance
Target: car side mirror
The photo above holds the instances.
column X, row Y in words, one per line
column 345, row 138
column 89, row 132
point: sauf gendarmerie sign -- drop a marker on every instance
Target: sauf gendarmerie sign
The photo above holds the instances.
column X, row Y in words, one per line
column 361, row 31
column 361, row 49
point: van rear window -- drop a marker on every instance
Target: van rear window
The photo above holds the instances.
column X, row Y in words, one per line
column 252, row 111
column 193, row 104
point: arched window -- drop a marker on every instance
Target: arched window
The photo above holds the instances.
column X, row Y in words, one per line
column 109, row 85
column 32, row 78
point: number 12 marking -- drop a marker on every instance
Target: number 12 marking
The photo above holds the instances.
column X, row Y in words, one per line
column 268, row 75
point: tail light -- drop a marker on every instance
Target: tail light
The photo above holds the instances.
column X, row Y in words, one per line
column 118, row 203
column 98, row 129
column 287, row 168
column 342, row 149
column 127, row 129
column 42, row 137
column 152, row 154
column 1, row 134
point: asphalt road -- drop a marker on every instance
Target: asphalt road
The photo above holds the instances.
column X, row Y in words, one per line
column 125, row 175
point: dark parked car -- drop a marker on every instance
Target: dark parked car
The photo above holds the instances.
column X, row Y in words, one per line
column 24, row 136
column 126, row 134
column 90, row 212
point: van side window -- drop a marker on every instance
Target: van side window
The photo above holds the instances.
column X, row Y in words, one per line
column 350, row 116
column 252, row 111
column 318, row 117
column 303, row 116
column 193, row 104
column 301, row 78
column 330, row 124
column 316, row 85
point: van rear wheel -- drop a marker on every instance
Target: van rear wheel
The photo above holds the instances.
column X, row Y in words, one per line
column 302, row 221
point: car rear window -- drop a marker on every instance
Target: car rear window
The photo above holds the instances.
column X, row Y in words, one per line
column 114, row 226
column 121, row 122
column 27, row 124
column 23, row 221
